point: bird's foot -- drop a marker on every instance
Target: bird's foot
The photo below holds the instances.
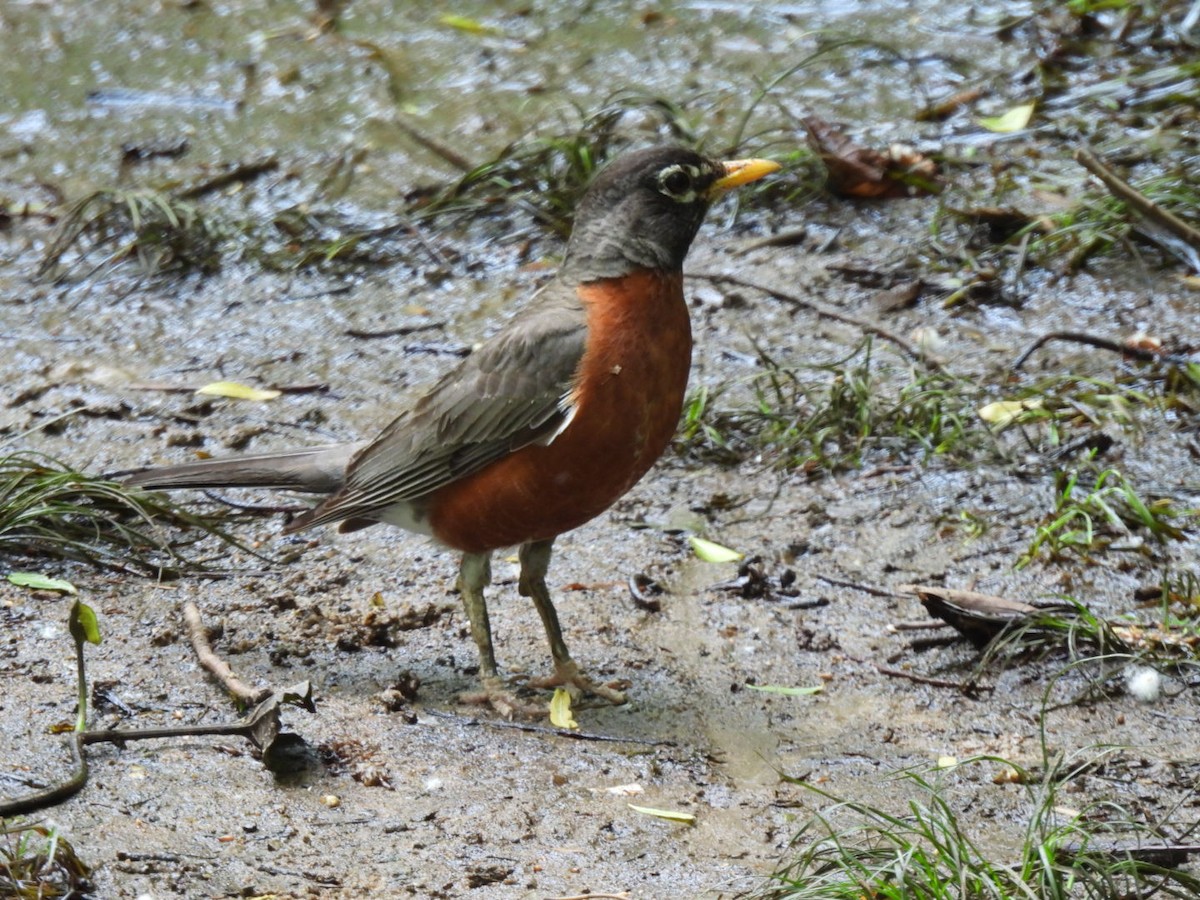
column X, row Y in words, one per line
column 568, row 675
column 494, row 692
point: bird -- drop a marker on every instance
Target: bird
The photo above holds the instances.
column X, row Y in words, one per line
column 546, row 424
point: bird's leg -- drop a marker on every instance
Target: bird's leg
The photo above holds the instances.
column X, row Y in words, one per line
column 535, row 562
column 474, row 574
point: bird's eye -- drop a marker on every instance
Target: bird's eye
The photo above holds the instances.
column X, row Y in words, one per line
column 677, row 182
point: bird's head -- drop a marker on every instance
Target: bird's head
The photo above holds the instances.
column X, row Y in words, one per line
column 644, row 209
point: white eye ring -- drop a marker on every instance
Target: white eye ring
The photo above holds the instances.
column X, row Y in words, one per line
column 679, row 182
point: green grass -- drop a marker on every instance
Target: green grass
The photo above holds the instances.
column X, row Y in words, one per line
column 49, row 511
column 832, row 417
column 158, row 230
column 38, row 863
column 1092, row 510
column 925, row 848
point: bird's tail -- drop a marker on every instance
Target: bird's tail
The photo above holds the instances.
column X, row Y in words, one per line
column 318, row 470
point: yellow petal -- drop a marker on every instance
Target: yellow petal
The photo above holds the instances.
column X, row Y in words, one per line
column 668, row 814
column 235, row 391
column 467, row 25
column 560, row 710
column 714, row 553
column 1003, row 413
column 1014, row 120
column 786, row 691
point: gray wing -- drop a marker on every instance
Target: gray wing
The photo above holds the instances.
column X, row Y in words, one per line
column 513, row 391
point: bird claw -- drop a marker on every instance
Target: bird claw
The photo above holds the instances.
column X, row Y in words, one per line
column 495, row 693
column 568, row 675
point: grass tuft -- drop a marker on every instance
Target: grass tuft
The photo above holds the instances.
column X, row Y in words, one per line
column 852, row 850
column 50, row 511
column 831, row 417
column 1094, row 510
column 38, row 862
column 159, row 231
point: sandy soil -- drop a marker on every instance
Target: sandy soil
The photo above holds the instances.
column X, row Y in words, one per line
column 440, row 800
column 432, row 798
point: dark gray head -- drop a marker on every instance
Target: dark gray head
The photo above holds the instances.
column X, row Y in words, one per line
column 644, row 209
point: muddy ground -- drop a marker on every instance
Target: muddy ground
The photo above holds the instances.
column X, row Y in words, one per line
column 432, row 798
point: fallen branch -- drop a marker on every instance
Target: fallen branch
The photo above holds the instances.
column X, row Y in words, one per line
column 1168, row 856
column 1142, row 354
column 964, row 687
column 1138, row 201
column 239, row 174
column 393, row 332
column 216, row 666
column 865, row 588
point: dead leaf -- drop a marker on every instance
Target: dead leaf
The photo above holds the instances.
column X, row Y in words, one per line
column 1002, row 222
column 863, row 172
column 979, row 617
column 943, row 109
column 902, row 296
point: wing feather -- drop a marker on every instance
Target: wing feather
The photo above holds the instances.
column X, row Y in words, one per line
column 514, row 391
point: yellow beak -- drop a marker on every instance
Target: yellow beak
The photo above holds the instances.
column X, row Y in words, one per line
column 741, row 171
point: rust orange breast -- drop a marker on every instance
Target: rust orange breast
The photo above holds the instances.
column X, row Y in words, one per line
column 629, row 392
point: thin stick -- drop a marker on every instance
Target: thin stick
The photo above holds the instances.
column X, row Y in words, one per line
column 1139, row 353
column 216, row 666
column 241, row 173
column 865, row 588
column 827, row 312
column 434, row 146
column 932, row 682
column 1122, row 190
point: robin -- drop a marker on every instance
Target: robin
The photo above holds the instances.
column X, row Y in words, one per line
column 548, row 423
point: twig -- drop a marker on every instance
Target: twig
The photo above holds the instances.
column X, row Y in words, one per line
column 624, row 895
column 216, row 666
column 240, row 173
column 865, row 588
column 932, row 682
column 393, row 332
column 434, row 146
column 167, row 387
column 920, row 645
column 827, row 312
column 1165, row 855
column 1139, row 353
column 23, row 806
column 930, row 625
column 1137, row 200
